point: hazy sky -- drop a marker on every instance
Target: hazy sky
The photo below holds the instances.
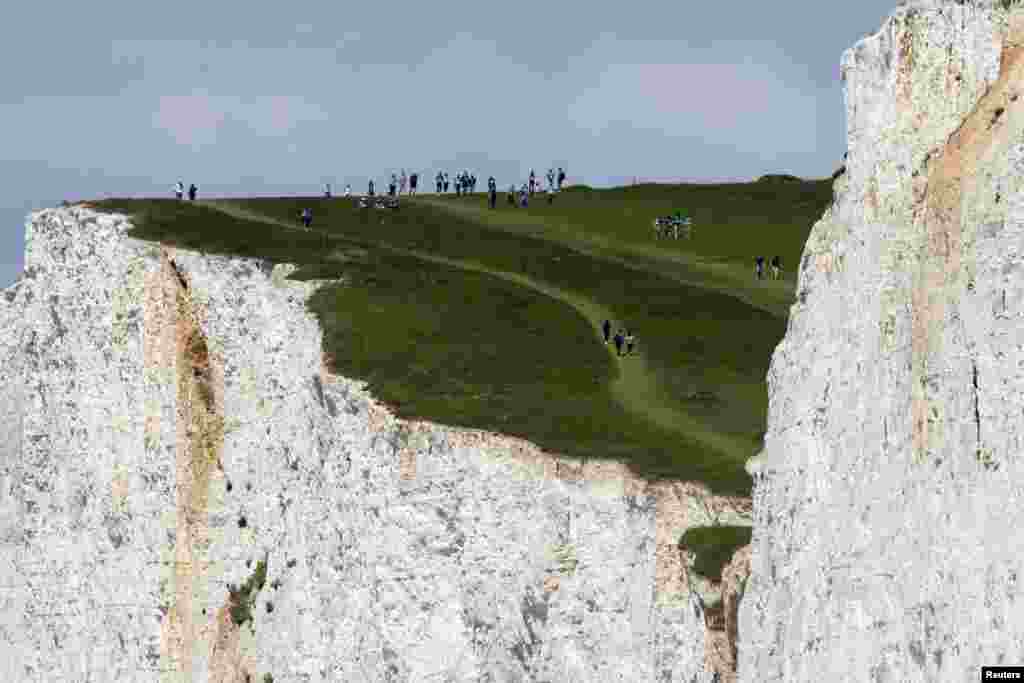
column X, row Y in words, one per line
column 124, row 98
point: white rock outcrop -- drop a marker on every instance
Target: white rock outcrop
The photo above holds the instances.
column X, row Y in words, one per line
column 889, row 527
column 187, row 495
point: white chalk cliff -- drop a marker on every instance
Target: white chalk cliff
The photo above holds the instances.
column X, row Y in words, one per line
column 187, row 495
column 152, row 399
column 888, row 540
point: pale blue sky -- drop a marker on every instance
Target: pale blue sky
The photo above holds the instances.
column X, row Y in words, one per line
column 124, row 98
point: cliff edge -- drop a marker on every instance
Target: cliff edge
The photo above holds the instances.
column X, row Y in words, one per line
column 187, row 494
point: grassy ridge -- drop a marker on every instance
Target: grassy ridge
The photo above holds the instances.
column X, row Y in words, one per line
column 497, row 336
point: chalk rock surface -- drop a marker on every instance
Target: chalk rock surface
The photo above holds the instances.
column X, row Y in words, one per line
column 186, row 494
column 889, row 498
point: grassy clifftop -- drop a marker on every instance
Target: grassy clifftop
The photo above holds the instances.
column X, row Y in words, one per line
column 490, row 319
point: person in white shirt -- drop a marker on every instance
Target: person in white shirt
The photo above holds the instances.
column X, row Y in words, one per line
column 179, row 189
column 348, row 190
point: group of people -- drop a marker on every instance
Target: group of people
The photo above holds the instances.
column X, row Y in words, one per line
column 776, row 267
column 396, row 187
column 621, row 337
column 465, row 182
column 179, row 191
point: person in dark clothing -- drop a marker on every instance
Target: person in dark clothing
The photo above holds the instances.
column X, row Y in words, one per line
column 446, row 182
column 438, row 181
column 533, row 182
column 307, row 217
column 759, row 267
column 561, row 177
column 618, row 342
column 413, row 179
column 607, row 329
column 392, row 188
column 512, row 195
column 492, row 189
column 192, row 189
column 370, row 193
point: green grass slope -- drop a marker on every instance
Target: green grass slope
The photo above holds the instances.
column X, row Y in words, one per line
column 489, row 319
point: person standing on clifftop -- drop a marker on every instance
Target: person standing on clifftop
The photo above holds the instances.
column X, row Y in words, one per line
column 370, row 193
column 401, row 186
column 179, row 190
column 192, row 189
column 492, row 191
column 413, row 179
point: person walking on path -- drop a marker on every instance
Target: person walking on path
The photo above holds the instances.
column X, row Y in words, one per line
column 412, row 182
column 776, row 267
column 607, row 329
column 759, row 267
column 179, row 190
column 307, row 218
column 327, row 190
column 492, row 191
column 618, row 342
column 533, row 182
column 192, row 190
column 629, row 342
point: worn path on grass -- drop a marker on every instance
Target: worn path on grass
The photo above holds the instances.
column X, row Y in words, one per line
column 772, row 296
column 635, row 386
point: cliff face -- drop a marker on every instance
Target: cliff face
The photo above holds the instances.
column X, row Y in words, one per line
column 186, row 494
column 888, row 518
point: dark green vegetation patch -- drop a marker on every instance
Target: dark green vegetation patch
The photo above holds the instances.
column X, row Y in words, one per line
column 488, row 319
column 243, row 598
column 713, row 547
